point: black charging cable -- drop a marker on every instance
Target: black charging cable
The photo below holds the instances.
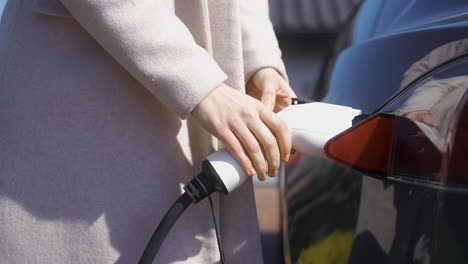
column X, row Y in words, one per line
column 218, row 238
column 200, row 187
column 166, row 224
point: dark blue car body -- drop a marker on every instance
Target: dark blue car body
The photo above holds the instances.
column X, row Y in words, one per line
column 337, row 215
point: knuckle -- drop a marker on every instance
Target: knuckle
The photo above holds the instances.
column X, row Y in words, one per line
column 283, row 126
column 270, row 144
column 275, row 163
column 225, row 139
column 274, row 160
column 260, row 164
column 264, row 112
column 247, row 113
column 254, row 148
column 220, row 129
column 261, row 169
column 237, row 148
column 258, row 106
column 245, row 163
column 277, row 121
column 270, row 90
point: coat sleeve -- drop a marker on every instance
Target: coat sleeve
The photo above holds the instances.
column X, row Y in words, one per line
column 154, row 46
column 259, row 41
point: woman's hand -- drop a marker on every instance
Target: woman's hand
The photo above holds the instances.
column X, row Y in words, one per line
column 268, row 86
column 249, row 130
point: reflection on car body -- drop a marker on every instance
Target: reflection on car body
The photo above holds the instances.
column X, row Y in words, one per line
column 415, row 212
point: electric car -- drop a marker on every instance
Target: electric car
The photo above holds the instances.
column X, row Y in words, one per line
column 394, row 188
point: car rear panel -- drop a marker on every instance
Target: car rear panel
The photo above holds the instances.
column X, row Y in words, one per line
column 334, row 214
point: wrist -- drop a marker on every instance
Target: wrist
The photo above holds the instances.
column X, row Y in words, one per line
column 265, row 73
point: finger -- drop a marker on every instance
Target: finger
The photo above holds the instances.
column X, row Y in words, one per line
column 287, row 88
column 254, row 151
column 268, row 144
column 283, row 95
column 282, row 103
column 268, row 95
column 252, row 90
column 281, row 132
column 235, row 148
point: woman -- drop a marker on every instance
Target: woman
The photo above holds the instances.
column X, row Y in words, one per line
column 108, row 106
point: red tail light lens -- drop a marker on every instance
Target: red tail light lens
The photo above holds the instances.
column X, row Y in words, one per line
column 420, row 136
column 398, row 147
column 366, row 146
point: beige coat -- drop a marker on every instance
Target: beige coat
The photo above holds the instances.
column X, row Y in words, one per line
column 93, row 142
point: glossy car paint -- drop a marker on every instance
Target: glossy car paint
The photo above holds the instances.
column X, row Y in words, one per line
column 333, row 214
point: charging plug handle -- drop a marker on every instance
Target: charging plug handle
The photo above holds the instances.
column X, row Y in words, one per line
column 205, row 183
column 200, row 187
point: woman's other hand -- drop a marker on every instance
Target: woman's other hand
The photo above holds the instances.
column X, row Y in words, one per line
column 268, row 86
column 255, row 136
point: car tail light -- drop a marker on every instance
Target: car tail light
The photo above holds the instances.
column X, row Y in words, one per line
column 421, row 135
column 366, row 146
column 386, row 145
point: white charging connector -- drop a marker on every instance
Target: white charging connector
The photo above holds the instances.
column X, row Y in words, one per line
column 311, row 126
